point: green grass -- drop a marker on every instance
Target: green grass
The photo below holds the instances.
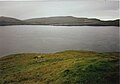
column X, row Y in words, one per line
column 67, row 67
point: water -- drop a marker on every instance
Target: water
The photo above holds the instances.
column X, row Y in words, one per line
column 50, row 39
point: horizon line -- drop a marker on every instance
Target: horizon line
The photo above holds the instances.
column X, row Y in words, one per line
column 60, row 16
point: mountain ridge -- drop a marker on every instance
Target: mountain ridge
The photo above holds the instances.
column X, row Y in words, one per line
column 58, row 21
column 9, row 21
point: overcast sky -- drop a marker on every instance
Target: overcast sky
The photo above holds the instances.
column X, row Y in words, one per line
column 102, row 9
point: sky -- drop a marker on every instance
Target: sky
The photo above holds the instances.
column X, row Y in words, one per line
column 25, row 9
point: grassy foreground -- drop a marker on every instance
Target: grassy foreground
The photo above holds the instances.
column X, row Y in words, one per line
column 67, row 67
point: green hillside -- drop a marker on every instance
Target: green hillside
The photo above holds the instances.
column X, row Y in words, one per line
column 67, row 67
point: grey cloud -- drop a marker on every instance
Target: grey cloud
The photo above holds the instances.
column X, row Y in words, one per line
column 43, row 8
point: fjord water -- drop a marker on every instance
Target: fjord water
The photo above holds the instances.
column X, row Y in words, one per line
column 50, row 39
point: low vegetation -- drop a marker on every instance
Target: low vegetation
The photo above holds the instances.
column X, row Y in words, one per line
column 67, row 67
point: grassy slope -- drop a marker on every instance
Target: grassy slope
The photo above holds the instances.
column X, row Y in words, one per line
column 67, row 67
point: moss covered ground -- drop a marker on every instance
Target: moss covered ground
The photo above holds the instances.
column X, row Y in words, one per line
column 67, row 67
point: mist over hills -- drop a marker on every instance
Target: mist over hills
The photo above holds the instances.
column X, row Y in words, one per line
column 58, row 21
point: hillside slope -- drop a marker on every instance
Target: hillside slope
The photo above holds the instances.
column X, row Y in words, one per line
column 10, row 21
column 71, row 21
column 67, row 67
column 58, row 21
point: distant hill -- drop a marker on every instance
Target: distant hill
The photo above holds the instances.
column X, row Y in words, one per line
column 62, row 20
column 9, row 21
column 59, row 21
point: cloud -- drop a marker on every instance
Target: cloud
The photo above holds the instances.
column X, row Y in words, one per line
column 60, row 0
column 43, row 8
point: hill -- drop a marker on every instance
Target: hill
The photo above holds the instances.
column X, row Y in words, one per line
column 10, row 21
column 71, row 21
column 59, row 21
column 67, row 67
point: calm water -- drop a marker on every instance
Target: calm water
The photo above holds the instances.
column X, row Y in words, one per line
column 49, row 39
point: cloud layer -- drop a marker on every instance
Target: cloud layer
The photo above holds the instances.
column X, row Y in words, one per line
column 102, row 9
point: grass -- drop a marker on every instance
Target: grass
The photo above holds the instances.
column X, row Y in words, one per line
column 67, row 67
